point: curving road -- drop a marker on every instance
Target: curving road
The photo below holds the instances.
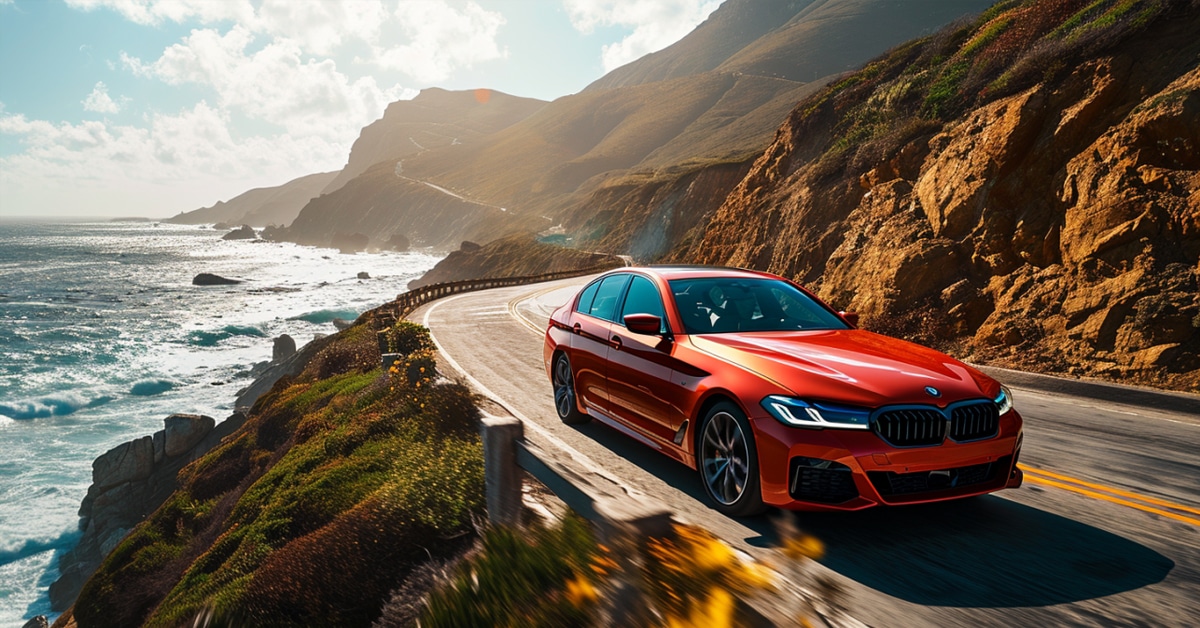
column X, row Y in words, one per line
column 1106, row 530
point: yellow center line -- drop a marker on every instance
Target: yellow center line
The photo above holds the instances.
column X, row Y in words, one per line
column 1109, row 489
column 1115, row 500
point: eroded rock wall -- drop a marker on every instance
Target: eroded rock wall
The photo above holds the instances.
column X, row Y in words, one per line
column 1056, row 229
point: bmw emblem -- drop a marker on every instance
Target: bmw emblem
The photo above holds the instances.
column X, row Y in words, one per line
column 933, row 392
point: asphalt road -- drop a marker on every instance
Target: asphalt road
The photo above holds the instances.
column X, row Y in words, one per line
column 1106, row 530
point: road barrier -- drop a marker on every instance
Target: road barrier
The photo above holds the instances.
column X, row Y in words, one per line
column 406, row 303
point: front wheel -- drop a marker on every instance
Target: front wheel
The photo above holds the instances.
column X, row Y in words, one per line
column 564, row 393
column 729, row 462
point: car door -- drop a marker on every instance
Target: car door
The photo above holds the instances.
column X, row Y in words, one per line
column 639, row 366
column 591, row 329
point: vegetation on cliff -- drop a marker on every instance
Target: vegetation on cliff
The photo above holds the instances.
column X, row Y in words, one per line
column 1021, row 189
column 341, row 482
column 513, row 256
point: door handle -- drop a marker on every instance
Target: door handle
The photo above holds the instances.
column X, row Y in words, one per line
column 576, row 329
column 616, row 343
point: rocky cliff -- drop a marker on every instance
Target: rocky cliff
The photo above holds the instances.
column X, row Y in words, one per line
column 513, row 256
column 698, row 104
column 129, row 482
column 260, row 207
column 1024, row 190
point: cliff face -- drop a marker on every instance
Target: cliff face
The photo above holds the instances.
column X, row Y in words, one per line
column 698, row 104
column 435, row 118
column 129, row 482
column 260, row 207
column 513, row 256
column 1025, row 190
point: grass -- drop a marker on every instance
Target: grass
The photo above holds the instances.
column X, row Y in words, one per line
column 335, row 488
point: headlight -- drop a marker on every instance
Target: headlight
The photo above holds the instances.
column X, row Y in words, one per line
column 1004, row 401
column 799, row 413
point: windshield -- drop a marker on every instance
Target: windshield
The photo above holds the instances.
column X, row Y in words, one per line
column 714, row 305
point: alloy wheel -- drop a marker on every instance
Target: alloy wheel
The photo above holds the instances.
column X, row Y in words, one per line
column 724, row 458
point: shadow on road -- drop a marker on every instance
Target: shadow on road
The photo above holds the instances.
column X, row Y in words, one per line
column 983, row 552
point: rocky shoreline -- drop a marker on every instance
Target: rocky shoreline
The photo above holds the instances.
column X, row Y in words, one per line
column 130, row 481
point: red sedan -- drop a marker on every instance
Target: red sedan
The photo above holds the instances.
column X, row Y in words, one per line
column 775, row 397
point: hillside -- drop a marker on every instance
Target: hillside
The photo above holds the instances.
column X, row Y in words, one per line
column 518, row 255
column 260, row 207
column 667, row 125
column 342, row 481
column 434, row 118
column 1023, row 190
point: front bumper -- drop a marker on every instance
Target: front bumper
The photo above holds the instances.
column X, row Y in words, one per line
column 834, row 469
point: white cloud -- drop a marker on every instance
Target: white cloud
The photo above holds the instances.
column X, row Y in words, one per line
column 320, row 27
column 438, row 37
column 171, row 163
column 153, row 12
column 656, row 24
column 273, row 84
column 99, row 100
column 442, row 38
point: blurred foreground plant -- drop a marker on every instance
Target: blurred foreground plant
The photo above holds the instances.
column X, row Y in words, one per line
column 562, row 576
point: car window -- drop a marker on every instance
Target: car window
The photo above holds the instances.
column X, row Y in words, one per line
column 733, row 304
column 643, row 298
column 604, row 305
column 585, row 299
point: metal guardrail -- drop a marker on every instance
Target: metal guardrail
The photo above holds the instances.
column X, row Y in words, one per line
column 405, row 303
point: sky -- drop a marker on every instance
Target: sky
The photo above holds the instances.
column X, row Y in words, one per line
column 153, row 107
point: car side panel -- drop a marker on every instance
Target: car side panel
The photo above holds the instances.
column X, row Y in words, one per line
column 640, row 382
column 589, row 356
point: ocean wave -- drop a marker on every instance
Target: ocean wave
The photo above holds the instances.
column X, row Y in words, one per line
column 148, row 387
column 211, row 338
column 326, row 316
column 30, row 547
column 58, row 404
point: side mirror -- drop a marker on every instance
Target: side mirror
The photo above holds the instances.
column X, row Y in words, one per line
column 851, row 317
column 648, row 324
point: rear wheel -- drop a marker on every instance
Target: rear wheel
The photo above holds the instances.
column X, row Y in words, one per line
column 564, row 393
column 729, row 462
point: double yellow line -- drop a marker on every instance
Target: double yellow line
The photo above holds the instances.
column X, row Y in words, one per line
column 1162, row 507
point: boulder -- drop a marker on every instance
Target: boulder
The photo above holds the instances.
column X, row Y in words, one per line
column 245, row 232
column 184, row 431
column 467, row 246
column 37, row 622
column 364, row 275
column 209, row 279
column 398, row 242
column 341, row 323
column 126, row 462
column 349, row 242
column 284, row 348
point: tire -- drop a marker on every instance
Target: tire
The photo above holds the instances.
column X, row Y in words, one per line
column 728, row 462
column 565, row 403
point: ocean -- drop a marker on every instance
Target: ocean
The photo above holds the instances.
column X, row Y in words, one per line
column 103, row 335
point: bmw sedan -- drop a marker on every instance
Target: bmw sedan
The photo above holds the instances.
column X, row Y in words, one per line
column 773, row 396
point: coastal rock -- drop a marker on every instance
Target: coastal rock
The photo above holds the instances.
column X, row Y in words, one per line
column 364, row 275
column 37, row 622
column 130, row 482
column 349, row 242
column 398, row 242
column 209, row 279
column 184, row 431
column 124, row 463
column 341, row 323
column 284, row 348
column 245, row 232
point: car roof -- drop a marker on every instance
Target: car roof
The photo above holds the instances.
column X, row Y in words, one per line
column 695, row 271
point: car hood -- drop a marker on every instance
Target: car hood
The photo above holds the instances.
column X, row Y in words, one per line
column 851, row 366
